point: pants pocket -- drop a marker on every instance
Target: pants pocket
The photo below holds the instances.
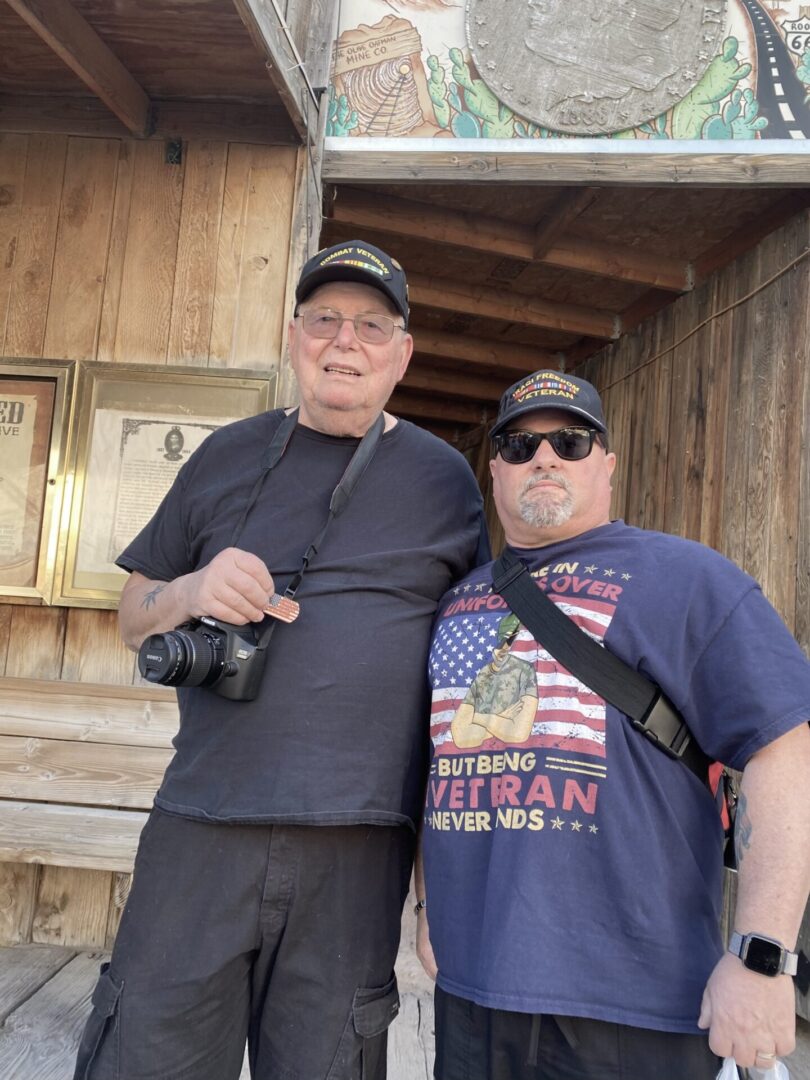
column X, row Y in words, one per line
column 102, row 1028
column 361, row 1053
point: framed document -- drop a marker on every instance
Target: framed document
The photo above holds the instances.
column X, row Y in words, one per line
column 34, row 423
column 134, row 426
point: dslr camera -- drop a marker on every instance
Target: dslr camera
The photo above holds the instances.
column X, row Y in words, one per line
column 225, row 658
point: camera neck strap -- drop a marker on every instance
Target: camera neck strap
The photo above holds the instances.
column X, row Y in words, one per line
column 360, row 461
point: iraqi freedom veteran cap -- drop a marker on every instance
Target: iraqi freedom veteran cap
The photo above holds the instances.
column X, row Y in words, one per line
column 356, row 261
column 550, row 390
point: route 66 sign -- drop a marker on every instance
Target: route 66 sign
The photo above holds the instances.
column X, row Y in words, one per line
column 591, row 66
column 797, row 34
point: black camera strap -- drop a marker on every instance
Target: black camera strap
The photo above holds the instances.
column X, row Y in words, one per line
column 643, row 702
column 360, row 461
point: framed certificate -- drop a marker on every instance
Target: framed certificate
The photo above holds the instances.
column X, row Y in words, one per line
column 134, row 426
column 34, row 425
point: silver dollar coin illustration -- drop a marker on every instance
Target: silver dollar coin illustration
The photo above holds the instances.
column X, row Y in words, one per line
column 593, row 66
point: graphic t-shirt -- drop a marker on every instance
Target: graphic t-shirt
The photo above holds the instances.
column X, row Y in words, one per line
column 571, row 867
column 337, row 734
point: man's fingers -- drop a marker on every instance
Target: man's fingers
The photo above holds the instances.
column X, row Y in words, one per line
column 252, row 565
column 229, row 605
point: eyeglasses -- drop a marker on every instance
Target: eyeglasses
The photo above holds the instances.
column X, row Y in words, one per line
column 371, row 328
column 568, row 443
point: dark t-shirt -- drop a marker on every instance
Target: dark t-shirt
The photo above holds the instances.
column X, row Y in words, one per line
column 338, row 732
column 577, row 869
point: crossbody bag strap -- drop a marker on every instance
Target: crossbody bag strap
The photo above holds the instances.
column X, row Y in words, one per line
column 643, row 702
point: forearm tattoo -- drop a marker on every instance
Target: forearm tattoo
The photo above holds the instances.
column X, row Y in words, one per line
column 743, row 827
column 150, row 598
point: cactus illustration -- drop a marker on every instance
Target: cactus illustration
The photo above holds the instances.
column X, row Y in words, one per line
column 657, row 128
column 701, row 103
column 437, row 88
column 738, row 120
column 497, row 120
column 340, row 120
column 803, row 71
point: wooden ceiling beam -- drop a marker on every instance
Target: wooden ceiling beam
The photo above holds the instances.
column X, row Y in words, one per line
column 749, row 234
column 454, row 383
column 284, row 64
column 571, row 204
column 485, row 352
column 436, row 407
column 446, row 295
column 494, row 236
column 75, row 42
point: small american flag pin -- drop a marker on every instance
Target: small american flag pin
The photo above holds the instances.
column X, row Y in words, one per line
column 282, row 607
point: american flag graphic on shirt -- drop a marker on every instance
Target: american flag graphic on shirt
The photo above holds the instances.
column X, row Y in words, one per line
column 569, row 717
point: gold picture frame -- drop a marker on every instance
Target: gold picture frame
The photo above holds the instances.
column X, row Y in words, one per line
column 35, row 398
column 133, row 427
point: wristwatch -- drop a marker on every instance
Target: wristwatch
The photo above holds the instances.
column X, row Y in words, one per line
column 763, row 954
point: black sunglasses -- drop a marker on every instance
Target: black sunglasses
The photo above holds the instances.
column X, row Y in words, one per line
column 569, row 443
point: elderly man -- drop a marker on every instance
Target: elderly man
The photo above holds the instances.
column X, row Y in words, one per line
column 573, row 877
column 271, row 874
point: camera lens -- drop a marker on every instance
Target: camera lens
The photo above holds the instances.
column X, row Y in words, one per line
column 181, row 658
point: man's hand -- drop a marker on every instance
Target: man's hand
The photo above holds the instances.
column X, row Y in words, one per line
column 234, row 587
column 424, row 949
column 746, row 1013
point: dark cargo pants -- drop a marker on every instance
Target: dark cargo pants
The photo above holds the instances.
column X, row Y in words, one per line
column 282, row 935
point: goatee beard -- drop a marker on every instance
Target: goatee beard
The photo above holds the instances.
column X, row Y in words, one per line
column 545, row 510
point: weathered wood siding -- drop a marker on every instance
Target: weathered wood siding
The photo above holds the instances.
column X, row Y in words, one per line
column 712, row 435
column 109, row 253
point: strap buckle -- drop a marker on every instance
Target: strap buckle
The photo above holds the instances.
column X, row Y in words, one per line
column 663, row 725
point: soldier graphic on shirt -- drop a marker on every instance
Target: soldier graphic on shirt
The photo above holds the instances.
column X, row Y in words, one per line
column 502, row 700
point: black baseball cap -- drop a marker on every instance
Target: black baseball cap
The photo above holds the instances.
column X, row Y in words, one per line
column 359, row 261
column 550, row 390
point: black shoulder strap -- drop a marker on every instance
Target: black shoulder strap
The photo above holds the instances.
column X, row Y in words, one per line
column 644, row 703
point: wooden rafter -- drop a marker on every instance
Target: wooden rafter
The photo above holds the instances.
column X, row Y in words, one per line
column 494, row 236
column 482, row 352
column 455, row 383
column 751, row 232
column 566, row 209
column 446, row 295
column 284, row 65
column 74, row 41
column 436, row 407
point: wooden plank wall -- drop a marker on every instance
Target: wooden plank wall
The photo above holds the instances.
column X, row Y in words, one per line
column 109, row 253
column 712, row 435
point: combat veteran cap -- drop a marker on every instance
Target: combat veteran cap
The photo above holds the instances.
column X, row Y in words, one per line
column 356, row 261
column 550, row 390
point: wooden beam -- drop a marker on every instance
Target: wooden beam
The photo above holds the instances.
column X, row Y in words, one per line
column 285, row 67
column 454, row 384
column 446, row 295
column 494, row 236
column 566, row 209
column 749, row 235
column 230, row 121
column 649, row 303
column 75, row 42
column 83, row 837
column 313, row 24
column 618, row 162
column 483, row 352
column 436, row 407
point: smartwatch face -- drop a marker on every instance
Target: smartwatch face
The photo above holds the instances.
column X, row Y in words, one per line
column 763, row 956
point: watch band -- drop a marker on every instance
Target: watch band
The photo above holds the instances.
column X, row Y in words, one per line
column 762, row 954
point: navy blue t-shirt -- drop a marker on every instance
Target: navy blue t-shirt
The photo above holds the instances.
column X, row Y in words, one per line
column 571, row 867
column 338, row 733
